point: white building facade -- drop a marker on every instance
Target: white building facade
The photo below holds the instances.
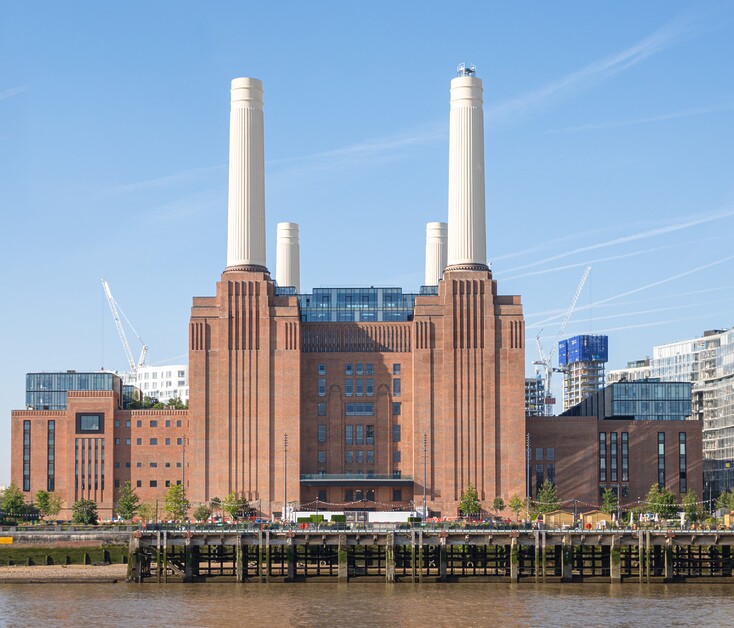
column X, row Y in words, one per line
column 161, row 382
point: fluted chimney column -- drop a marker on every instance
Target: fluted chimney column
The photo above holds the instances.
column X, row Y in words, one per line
column 246, row 207
column 287, row 262
column 467, row 232
column 436, row 241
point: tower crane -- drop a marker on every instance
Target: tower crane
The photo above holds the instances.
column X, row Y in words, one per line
column 546, row 360
column 116, row 311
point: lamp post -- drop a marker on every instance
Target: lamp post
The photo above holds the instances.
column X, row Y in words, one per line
column 285, row 475
column 425, row 474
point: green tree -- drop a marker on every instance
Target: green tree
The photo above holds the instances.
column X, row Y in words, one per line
column 547, row 499
column 469, row 503
column 146, row 512
column 54, row 505
column 176, row 503
column 726, row 501
column 202, row 512
column 84, row 511
column 609, row 501
column 516, row 504
column 42, row 501
column 13, row 502
column 236, row 507
column 215, row 503
column 128, row 503
column 661, row 502
column 693, row 509
column 498, row 505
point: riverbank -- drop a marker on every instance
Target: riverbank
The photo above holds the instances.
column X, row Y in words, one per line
column 45, row 574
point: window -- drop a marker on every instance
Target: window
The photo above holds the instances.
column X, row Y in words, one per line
column 613, row 457
column 322, row 369
column 349, row 435
column 127, row 423
column 117, row 465
column 87, row 422
column 370, row 456
column 167, row 465
column 396, row 369
column 347, row 369
column 349, row 495
column 369, row 368
column 139, row 464
column 397, row 494
column 396, row 433
column 322, row 457
column 179, row 441
column 322, row 433
column 661, row 459
column 550, row 453
column 602, row 456
column 359, row 440
column 625, row 457
column 322, row 495
column 322, row 387
column 138, row 483
column 153, row 441
column 360, row 387
column 396, row 408
column 138, row 441
column 349, row 387
column 396, row 387
column 322, row 409
column 127, row 465
column 396, row 456
column 552, row 473
column 139, row 424
column 370, row 435
column 396, row 474
column 538, row 478
column 178, row 423
column 360, row 455
column 369, row 387
column 360, row 409
column 26, row 455
column 178, row 465
column 168, row 424
column 117, row 441
column 154, row 424
column 359, row 369
column 117, row 483
column 117, row 423
column 538, row 453
column 168, row 441
column 349, row 456
column 182, row 374
column 153, row 483
column 153, row 465
column 682, row 463
column 128, row 441
column 168, row 482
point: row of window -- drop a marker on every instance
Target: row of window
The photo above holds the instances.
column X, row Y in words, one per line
column 153, row 465
column 152, row 423
column 151, row 441
column 152, row 483
column 359, row 434
column 550, row 453
column 356, row 409
column 154, row 375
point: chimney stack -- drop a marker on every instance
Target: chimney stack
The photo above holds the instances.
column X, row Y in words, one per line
column 467, row 249
column 246, row 208
column 436, row 239
column 287, row 262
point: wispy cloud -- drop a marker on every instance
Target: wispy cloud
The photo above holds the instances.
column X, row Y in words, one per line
column 177, row 178
column 382, row 149
column 685, row 113
column 633, row 237
column 599, row 70
column 13, row 91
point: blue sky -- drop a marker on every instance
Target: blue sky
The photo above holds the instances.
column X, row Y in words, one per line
column 609, row 142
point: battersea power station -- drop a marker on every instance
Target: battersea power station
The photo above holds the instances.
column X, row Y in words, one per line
column 323, row 400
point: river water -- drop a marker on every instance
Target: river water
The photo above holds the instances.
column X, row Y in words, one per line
column 354, row 605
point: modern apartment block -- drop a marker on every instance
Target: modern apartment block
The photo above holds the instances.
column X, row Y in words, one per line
column 161, row 382
column 582, row 360
column 634, row 371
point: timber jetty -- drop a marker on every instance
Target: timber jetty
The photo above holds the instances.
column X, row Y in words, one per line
column 429, row 554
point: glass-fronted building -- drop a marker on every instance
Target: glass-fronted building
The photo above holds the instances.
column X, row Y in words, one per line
column 47, row 391
column 649, row 400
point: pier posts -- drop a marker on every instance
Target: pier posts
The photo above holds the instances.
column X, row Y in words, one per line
column 189, row 557
column 165, row 557
column 290, row 553
column 158, row 556
column 641, row 556
column 421, row 556
column 615, row 562
column 542, row 556
column 267, row 555
column 668, row 559
column 413, row 566
column 239, row 563
column 443, row 560
column 514, row 559
column 566, row 560
column 536, row 564
column 390, row 558
column 134, row 565
column 343, row 576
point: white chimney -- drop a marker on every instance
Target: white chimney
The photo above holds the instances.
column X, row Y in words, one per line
column 246, row 225
column 436, row 238
column 467, row 232
column 288, row 253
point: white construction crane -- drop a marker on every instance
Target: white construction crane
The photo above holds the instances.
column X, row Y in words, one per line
column 134, row 366
column 546, row 360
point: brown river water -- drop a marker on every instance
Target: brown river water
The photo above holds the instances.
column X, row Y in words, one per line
column 353, row 605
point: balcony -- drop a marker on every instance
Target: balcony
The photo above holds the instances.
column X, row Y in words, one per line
column 354, row 479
